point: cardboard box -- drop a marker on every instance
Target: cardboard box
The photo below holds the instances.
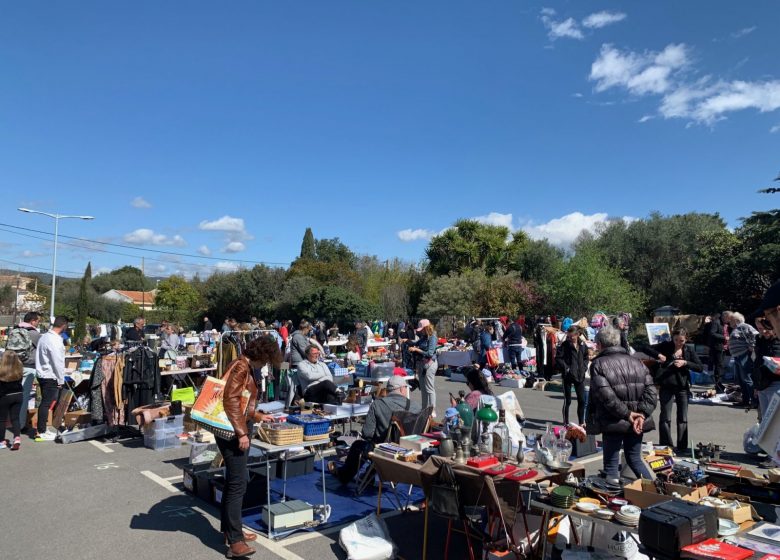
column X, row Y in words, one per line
column 77, row 418
column 643, row 493
column 745, row 512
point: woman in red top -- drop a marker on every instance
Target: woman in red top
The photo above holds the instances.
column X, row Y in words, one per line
column 240, row 377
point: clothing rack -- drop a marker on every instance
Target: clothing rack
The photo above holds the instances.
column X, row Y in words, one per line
column 246, row 336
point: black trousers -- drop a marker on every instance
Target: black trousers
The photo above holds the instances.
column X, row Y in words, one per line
column 49, row 393
column 668, row 397
column 235, row 487
column 717, row 359
column 358, row 452
column 579, row 389
column 324, row 392
column 10, row 404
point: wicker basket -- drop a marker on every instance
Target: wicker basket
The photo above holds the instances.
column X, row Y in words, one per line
column 280, row 433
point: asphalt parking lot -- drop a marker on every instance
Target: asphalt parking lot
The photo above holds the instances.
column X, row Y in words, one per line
column 97, row 500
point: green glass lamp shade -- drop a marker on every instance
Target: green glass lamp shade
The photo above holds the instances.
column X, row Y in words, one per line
column 465, row 413
column 487, row 414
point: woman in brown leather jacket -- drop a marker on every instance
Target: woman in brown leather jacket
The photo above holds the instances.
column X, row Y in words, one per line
column 239, row 377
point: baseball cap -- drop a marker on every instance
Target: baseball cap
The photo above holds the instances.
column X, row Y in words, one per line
column 771, row 299
column 396, row 382
column 422, row 324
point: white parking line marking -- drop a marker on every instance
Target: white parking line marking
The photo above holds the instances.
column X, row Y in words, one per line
column 172, row 478
column 161, row 481
column 102, row 446
column 596, row 457
column 276, row 548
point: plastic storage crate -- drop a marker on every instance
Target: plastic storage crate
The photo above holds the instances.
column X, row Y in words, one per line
column 312, row 425
column 168, row 423
column 162, row 439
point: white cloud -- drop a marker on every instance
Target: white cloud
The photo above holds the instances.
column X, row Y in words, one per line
column 774, row 129
column 204, row 250
column 415, row 234
column 744, row 31
column 140, row 202
column 225, row 223
column 103, row 270
column 234, row 247
column 496, row 219
column 226, row 266
column 646, row 118
column 706, row 100
column 160, row 268
column 563, row 231
column 234, row 230
column 578, row 95
column 639, row 73
column 567, row 28
column 602, row 19
column 145, row 236
column 27, row 254
column 547, row 12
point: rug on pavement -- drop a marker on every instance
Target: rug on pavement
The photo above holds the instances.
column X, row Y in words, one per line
column 344, row 504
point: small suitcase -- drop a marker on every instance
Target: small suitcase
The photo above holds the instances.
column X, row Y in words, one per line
column 667, row 527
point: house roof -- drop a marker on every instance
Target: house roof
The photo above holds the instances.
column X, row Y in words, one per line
column 138, row 297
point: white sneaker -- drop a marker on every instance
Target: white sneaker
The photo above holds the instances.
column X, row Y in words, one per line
column 3, row 444
column 46, row 436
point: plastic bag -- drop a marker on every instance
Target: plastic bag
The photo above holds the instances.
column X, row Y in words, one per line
column 750, row 440
column 367, row 539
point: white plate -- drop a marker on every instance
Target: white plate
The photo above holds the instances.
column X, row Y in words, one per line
column 630, row 511
column 587, row 507
column 726, row 528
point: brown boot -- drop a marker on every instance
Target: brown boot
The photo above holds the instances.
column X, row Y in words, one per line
column 240, row 550
column 248, row 537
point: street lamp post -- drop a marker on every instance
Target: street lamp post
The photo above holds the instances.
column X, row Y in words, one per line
column 56, row 218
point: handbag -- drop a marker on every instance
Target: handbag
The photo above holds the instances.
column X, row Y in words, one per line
column 208, row 412
column 492, row 357
column 445, row 500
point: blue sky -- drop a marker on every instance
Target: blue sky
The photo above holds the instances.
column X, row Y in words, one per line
column 225, row 129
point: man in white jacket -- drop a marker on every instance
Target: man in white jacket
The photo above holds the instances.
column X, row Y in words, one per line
column 50, row 370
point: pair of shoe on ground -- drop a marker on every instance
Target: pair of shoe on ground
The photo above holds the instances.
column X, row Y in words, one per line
column 240, row 549
column 7, row 444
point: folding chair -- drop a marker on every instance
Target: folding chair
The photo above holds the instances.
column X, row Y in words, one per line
column 402, row 423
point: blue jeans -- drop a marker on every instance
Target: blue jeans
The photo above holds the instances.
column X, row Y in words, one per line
column 515, row 356
column 743, row 367
column 27, row 384
column 632, row 451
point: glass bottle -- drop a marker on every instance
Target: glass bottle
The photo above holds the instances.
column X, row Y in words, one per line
column 502, row 442
column 548, row 439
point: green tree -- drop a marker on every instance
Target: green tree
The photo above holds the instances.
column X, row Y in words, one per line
column 538, row 261
column 82, row 307
column 334, row 305
column 125, row 278
column 469, row 245
column 308, row 248
column 656, row 253
column 588, row 283
column 334, row 251
column 7, row 293
column 243, row 293
column 179, row 300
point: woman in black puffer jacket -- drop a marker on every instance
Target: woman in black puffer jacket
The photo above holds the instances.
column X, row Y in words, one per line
column 622, row 400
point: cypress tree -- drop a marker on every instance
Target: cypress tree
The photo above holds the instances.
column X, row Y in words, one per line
column 82, row 307
column 307, row 247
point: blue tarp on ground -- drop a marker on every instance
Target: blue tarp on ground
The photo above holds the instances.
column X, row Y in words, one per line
column 345, row 505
